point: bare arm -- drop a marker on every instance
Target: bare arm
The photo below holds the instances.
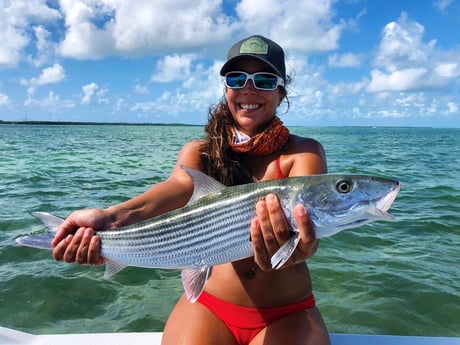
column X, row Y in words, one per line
column 84, row 246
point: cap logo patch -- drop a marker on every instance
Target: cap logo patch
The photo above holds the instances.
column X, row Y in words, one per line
column 254, row 45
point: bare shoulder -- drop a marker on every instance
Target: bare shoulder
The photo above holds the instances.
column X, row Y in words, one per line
column 190, row 153
column 298, row 144
column 190, row 156
column 193, row 146
column 305, row 156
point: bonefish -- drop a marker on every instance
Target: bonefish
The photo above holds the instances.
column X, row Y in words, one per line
column 214, row 227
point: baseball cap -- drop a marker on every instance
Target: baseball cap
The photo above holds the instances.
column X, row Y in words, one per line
column 260, row 48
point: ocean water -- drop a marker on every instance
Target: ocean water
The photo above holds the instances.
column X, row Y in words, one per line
column 400, row 277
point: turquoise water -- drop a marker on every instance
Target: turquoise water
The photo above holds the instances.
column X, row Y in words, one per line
column 398, row 278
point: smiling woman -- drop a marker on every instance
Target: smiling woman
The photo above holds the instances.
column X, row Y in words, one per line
column 245, row 141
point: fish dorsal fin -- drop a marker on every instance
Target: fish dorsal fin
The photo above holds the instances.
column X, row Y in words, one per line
column 194, row 280
column 202, row 184
column 51, row 222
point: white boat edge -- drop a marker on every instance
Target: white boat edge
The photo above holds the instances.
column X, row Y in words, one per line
column 10, row 336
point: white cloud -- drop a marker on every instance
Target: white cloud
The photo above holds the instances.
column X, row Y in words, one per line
column 452, row 108
column 201, row 87
column 97, row 29
column 447, row 70
column 4, row 100
column 173, row 67
column 150, row 24
column 141, row 89
column 52, row 103
column 187, row 36
column 16, row 18
column 83, row 39
column 442, row 4
column 402, row 46
column 390, row 113
column 344, row 60
column 406, row 63
column 12, row 41
column 410, row 100
column 297, row 25
column 45, row 48
column 49, row 75
column 88, row 92
column 341, row 89
column 405, row 80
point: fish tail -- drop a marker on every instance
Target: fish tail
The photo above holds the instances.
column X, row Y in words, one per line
column 42, row 240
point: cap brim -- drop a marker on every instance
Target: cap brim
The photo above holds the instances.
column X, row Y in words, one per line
column 228, row 66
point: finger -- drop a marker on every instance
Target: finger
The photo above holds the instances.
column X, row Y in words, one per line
column 305, row 224
column 266, row 228
column 60, row 248
column 71, row 251
column 94, row 250
column 261, row 257
column 308, row 243
column 279, row 224
column 64, row 230
column 82, row 251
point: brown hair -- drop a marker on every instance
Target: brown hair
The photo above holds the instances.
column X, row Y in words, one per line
column 220, row 161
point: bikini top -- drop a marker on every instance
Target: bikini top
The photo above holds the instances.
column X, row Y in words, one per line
column 279, row 172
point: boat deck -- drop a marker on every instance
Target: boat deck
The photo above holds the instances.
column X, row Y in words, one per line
column 9, row 336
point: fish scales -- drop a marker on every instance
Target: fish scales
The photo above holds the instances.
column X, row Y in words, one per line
column 201, row 232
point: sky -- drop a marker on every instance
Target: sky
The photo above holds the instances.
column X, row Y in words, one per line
column 352, row 62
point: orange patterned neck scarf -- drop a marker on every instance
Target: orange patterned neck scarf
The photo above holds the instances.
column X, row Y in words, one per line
column 270, row 140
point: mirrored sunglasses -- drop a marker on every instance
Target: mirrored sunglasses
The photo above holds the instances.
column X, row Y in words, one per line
column 261, row 80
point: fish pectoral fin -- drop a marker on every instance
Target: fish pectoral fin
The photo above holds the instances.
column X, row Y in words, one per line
column 194, row 280
column 283, row 254
column 112, row 268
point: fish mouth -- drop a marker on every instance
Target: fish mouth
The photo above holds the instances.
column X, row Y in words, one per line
column 384, row 204
column 379, row 209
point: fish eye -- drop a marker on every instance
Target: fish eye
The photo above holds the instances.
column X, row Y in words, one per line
column 343, row 186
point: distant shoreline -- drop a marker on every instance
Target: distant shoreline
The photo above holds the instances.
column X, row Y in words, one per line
column 74, row 123
column 172, row 124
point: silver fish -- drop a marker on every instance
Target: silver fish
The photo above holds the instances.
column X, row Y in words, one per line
column 213, row 228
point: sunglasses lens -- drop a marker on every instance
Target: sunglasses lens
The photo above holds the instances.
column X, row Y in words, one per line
column 236, row 80
column 262, row 81
column 265, row 81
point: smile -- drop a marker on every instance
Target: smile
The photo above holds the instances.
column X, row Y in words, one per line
column 249, row 106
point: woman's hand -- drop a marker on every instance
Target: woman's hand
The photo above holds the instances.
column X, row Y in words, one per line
column 270, row 230
column 75, row 240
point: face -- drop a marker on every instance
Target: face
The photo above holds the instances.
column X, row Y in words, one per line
column 251, row 108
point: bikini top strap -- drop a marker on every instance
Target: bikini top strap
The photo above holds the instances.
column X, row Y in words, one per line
column 279, row 174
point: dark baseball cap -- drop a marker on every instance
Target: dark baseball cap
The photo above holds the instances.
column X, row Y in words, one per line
column 260, row 48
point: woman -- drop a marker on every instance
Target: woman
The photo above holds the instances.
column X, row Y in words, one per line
column 244, row 302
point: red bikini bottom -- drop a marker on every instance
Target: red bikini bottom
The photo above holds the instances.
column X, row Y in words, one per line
column 244, row 322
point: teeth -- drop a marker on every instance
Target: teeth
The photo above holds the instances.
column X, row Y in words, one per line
column 249, row 106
